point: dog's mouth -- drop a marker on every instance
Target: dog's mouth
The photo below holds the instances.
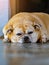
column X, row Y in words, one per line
column 27, row 42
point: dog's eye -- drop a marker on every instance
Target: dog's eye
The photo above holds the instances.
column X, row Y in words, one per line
column 19, row 34
column 30, row 32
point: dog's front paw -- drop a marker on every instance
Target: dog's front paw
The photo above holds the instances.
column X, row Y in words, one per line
column 44, row 39
column 6, row 40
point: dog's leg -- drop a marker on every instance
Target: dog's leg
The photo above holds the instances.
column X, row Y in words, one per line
column 6, row 39
column 43, row 38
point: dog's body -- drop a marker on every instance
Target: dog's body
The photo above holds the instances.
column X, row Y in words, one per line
column 24, row 27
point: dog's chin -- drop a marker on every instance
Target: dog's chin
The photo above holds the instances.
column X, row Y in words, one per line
column 31, row 40
column 20, row 41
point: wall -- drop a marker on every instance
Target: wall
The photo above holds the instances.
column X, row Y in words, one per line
column 3, row 14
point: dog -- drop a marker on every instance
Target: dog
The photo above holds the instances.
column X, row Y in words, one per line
column 27, row 27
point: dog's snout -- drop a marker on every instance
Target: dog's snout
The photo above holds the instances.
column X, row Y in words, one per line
column 26, row 38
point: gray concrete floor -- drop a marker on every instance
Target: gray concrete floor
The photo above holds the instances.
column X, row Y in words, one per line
column 24, row 54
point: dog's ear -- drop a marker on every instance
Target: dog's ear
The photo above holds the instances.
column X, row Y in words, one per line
column 37, row 26
column 9, row 30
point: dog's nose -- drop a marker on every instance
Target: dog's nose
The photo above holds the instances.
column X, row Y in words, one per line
column 26, row 38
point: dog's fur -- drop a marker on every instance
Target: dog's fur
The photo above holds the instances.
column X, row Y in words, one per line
column 34, row 26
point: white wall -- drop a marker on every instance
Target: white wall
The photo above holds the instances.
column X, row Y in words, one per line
column 3, row 14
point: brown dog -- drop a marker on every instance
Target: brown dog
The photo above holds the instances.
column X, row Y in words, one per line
column 27, row 27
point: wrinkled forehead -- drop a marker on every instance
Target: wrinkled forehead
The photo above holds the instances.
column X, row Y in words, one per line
column 23, row 22
column 24, row 28
column 23, row 25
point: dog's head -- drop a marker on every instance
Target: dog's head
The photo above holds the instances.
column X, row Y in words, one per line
column 25, row 32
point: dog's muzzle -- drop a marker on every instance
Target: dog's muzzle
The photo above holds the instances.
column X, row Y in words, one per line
column 26, row 39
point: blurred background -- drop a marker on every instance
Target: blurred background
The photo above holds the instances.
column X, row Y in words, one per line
column 8, row 8
column 22, row 54
column 29, row 6
column 3, row 13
